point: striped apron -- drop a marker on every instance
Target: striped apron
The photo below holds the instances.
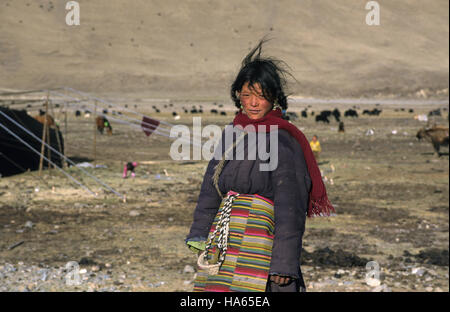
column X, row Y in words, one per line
column 249, row 249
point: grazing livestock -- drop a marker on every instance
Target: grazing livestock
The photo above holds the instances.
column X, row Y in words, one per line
column 214, row 111
column 436, row 112
column 373, row 112
column 77, row 113
column 337, row 114
column 437, row 136
column 304, row 114
column 223, row 113
column 322, row 118
column 103, row 123
column 351, row 113
column 50, row 120
column 326, row 113
column 341, row 127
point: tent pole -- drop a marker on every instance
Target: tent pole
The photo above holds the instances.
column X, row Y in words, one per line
column 49, row 152
column 95, row 131
column 44, row 133
column 58, row 139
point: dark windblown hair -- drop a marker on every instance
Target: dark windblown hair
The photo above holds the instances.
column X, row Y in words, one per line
column 266, row 71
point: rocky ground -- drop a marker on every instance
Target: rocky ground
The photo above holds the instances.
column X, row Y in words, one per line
column 391, row 194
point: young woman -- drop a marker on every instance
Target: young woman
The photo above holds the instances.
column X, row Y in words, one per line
column 248, row 223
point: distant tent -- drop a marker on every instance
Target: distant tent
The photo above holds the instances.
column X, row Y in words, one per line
column 15, row 157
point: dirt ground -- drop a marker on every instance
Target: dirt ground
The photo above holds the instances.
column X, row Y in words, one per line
column 390, row 192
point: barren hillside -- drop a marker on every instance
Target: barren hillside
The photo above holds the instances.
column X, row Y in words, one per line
column 193, row 48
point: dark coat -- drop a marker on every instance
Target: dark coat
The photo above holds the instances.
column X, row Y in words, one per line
column 287, row 186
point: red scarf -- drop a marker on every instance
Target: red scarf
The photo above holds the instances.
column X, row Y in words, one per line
column 319, row 205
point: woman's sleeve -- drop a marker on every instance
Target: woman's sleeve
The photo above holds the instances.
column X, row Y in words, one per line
column 290, row 185
column 207, row 206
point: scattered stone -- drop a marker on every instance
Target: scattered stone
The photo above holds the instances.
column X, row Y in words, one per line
column 188, row 269
column 373, row 282
column 418, row 271
column 95, row 268
column 382, row 288
column 339, row 273
column 134, row 213
column 348, row 283
column 432, row 272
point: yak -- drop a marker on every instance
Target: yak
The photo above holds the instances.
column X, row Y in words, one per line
column 351, row 113
column 337, row 114
column 322, row 118
column 103, row 123
column 50, row 120
column 437, row 136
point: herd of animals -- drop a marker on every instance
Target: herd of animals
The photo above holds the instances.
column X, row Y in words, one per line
column 437, row 135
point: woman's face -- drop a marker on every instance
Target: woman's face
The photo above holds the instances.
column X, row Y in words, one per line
column 253, row 102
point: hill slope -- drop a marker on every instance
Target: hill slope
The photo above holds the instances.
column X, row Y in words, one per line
column 194, row 48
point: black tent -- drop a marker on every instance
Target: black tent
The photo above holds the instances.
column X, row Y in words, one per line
column 16, row 157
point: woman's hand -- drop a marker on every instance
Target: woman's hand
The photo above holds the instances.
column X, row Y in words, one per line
column 280, row 280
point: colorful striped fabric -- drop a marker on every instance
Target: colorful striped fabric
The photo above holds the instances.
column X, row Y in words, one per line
column 247, row 261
